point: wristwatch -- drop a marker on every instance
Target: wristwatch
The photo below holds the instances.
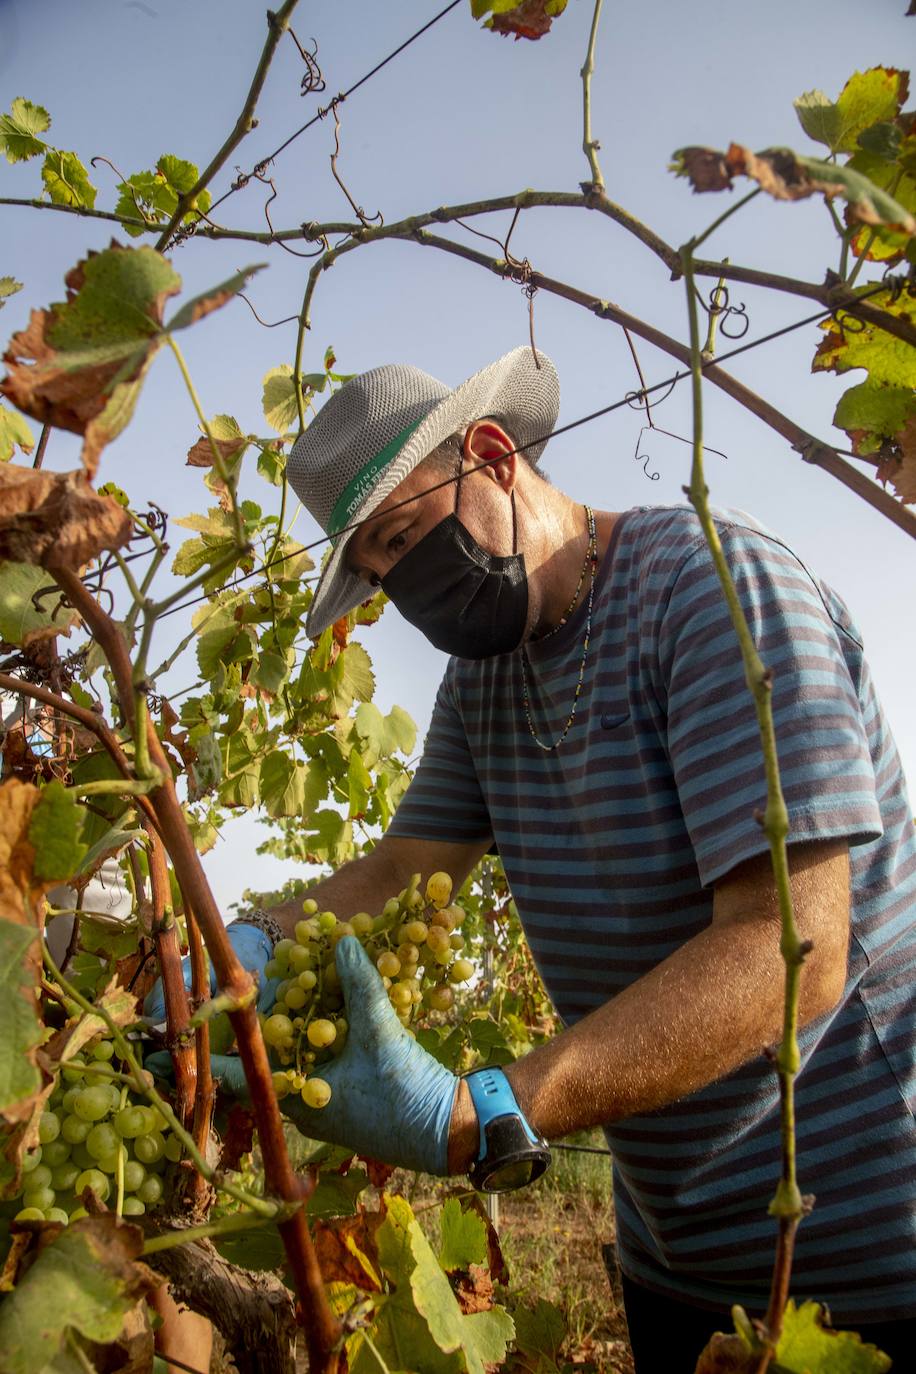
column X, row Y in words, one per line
column 511, row 1155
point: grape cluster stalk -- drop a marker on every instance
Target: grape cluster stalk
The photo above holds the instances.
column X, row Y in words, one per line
column 93, row 1135
column 414, row 943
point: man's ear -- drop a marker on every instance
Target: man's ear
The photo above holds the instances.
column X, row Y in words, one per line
column 487, row 443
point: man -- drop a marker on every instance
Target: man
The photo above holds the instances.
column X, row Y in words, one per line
column 594, row 722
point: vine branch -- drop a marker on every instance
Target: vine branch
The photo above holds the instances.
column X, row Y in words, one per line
column 277, row 24
column 590, row 145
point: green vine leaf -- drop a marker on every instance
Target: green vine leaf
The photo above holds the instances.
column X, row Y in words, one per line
column 91, row 1270
column 154, row 196
column 30, row 607
column 867, row 98
column 21, row 1031
column 20, row 128
column 279, row 396
column 463, row 1237
column 282, row 784
column 872, row 414
column 55, row 831
column 67, row 181
column 881, row 243
column 540, row 1332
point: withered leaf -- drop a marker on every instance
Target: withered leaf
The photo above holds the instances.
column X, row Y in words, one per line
column 899, row 466
column 200, row 455
column 785, row 175
column 80, row 363
column 529, row 19
column 727, row 1354
column 346, row 1249
column 56, row 517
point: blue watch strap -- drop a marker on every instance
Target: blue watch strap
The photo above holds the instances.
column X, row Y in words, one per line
column 492, row 1095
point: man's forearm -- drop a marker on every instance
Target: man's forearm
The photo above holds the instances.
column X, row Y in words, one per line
column 355, row 886
column 709, row 1007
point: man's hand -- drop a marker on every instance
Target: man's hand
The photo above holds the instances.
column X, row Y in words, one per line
column 390, row 1100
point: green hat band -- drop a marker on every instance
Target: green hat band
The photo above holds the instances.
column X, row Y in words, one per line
column 356, row 491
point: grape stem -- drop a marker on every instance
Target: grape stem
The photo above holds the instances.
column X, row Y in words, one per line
column 261, row 1206
column 223, row 1226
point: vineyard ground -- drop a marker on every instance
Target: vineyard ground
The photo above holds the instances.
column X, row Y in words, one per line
column 551, row 1236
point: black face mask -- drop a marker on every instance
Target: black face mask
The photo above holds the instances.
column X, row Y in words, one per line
column 466, row 601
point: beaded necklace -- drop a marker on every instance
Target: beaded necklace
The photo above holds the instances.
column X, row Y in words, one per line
column 591, row 561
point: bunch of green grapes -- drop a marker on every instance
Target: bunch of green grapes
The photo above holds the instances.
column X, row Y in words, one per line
column 416, row 946
column 90, row 1133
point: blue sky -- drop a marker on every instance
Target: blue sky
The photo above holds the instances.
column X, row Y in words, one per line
column 460, row 116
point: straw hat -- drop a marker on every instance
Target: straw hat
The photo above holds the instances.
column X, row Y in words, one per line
column 374, row 431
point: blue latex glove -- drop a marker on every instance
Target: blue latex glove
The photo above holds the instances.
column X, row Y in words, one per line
column 390, row 1100
column 252, row 948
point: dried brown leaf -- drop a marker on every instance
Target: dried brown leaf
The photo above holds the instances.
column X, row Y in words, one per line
column 473, row 1287
column 727, row 1355
column 200, row 455
column 899, row 466
column 528, row 20
column 56, row 517
column 705, row 168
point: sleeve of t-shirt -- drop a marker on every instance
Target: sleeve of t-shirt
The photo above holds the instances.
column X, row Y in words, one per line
column 713, row 738
column 444, row 800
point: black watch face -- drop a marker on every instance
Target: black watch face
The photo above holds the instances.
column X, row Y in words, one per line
column 516, row 1173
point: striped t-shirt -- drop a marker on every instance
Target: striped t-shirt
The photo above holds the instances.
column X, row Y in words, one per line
column 612, row 844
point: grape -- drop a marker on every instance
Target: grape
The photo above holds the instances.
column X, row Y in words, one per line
column 134, row 1174
column 150, row 1190
column 108, row 1163
column 173, row 1148
column 69, row 1098
column 295, row 997
column 55, row 1153
column 57, row 1214
column 103, row 1050
column 310, row 906
column 64, row 1176
column 77, row 1213
column 327, row 922
column 321, row 1033
column 362, row 923
column 48, row 1127
column 81, row 1156
column 41, row 1176
column 400, row 995
column 439, row 889
column 149, row 1148
column 130, row 1122
column 93, row 1103
column 42, row 1198
column 278, row 1030
column 133, row 1207
column 31, row 1160
column 102, row 1140
column 316, row 1092
column 456, row 941
column 75, row 1130
column 441, row 997
column 388, row 964
column 460, row 971
column 30, row 1214
column 307, row 979
column 93, row 1179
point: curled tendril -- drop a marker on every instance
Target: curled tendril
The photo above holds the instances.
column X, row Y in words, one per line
column 645, row 458
column 719, row 306
column 313, row 81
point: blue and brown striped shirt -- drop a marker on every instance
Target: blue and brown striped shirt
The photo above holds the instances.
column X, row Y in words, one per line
column 612, row 845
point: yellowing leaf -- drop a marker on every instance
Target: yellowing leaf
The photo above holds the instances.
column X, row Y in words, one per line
column 848, row 343
column 13, row 431
column 8, row 287
column 520, row 18
column 279, row 398
column 806, row 1346
column 872, row 413
column 19, row 130
column 867, row 98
